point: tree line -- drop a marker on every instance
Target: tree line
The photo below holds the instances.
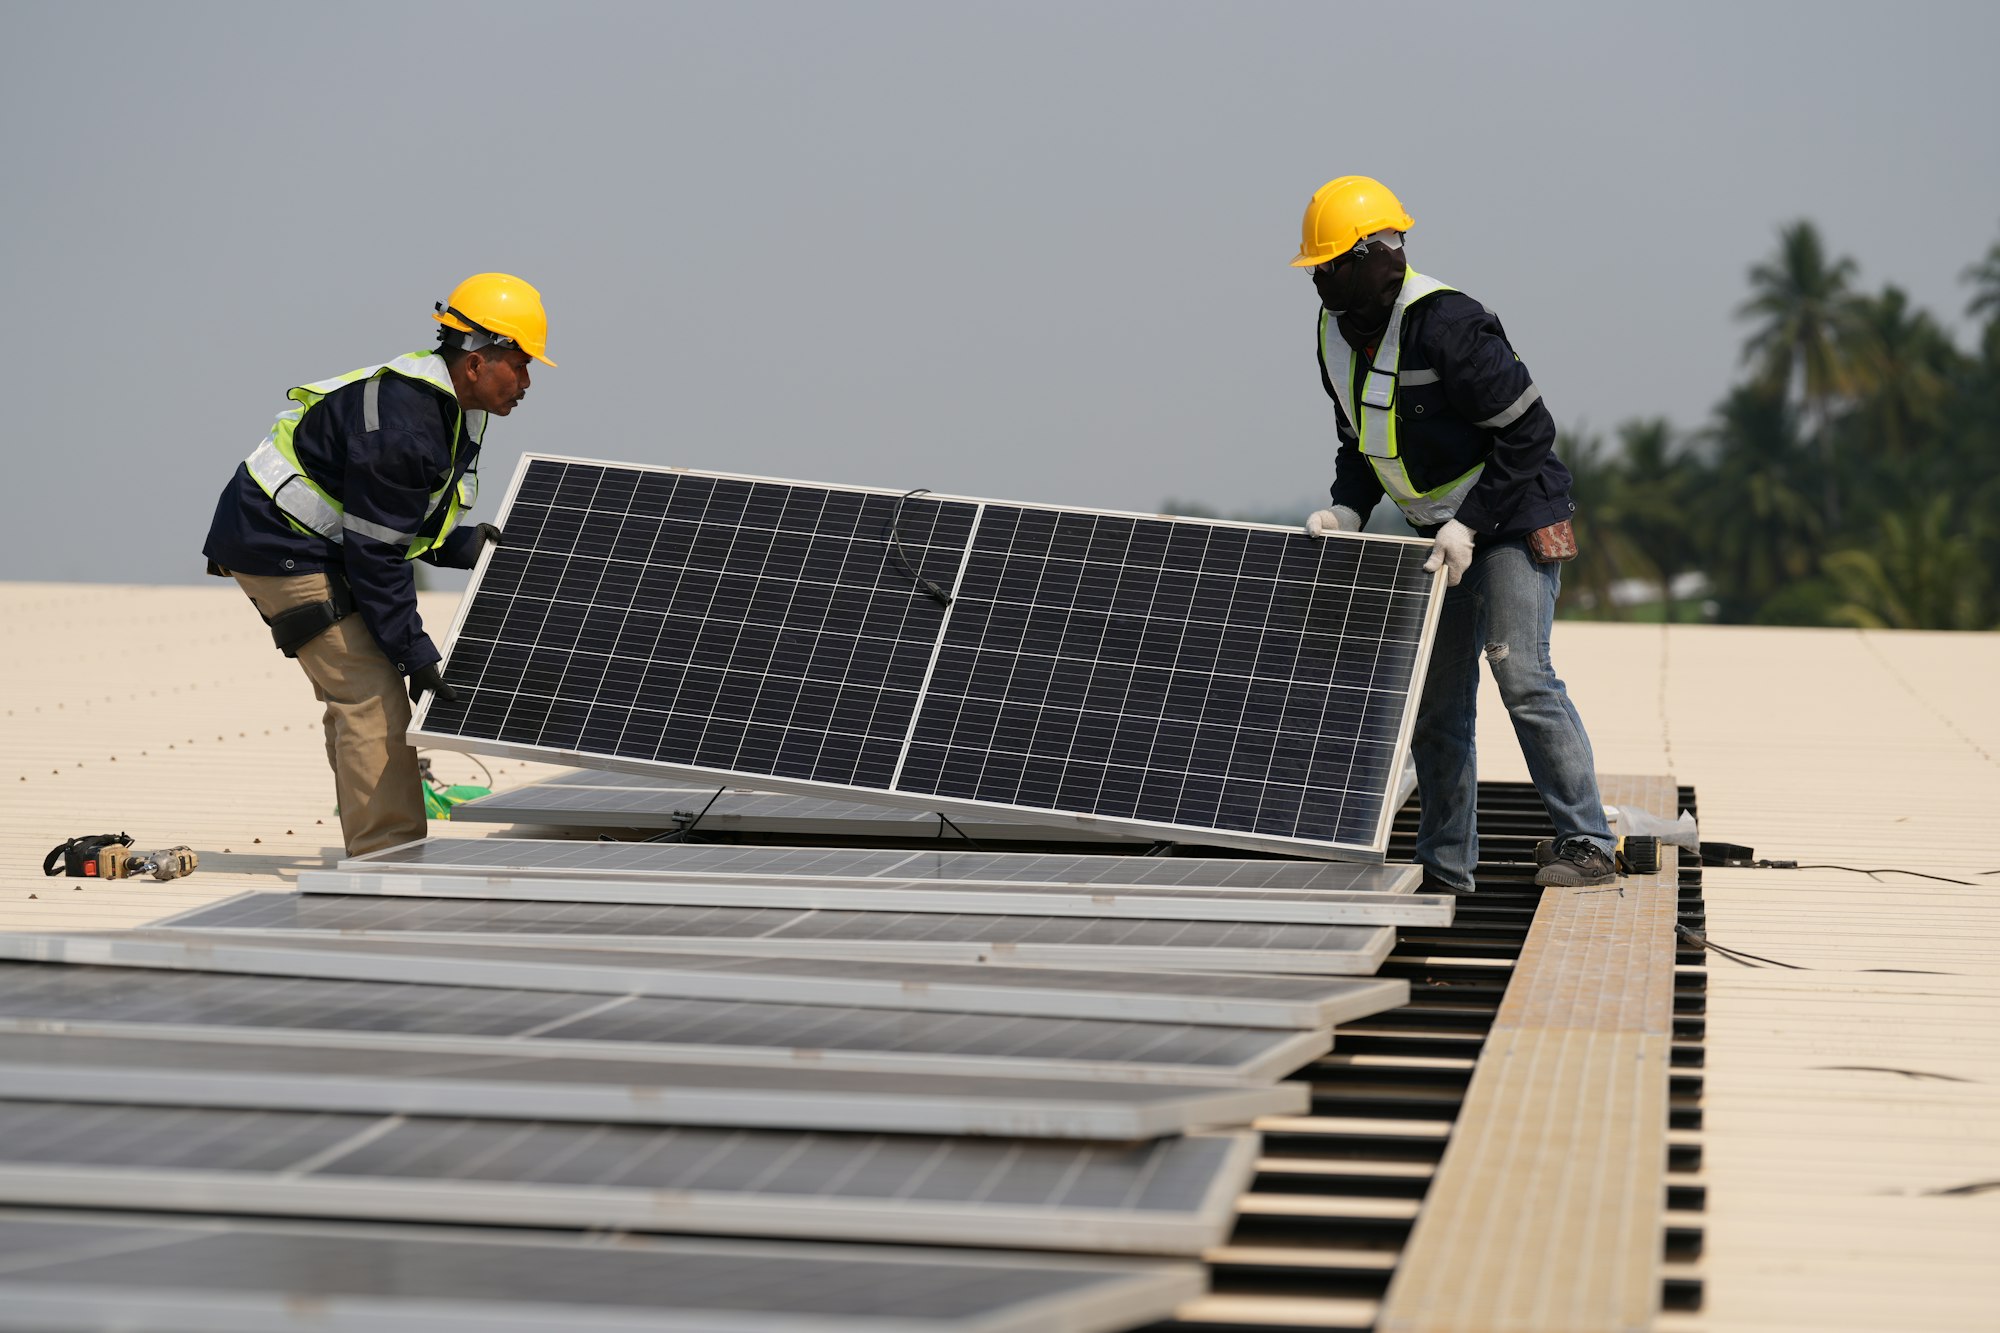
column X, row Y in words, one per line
column 1852, row 476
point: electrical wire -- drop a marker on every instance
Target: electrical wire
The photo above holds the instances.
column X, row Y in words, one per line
column 945, row 821
column 681, row 834
column 487, row 772
column 1894, row 870
column 893, row 530
column 1697, row 938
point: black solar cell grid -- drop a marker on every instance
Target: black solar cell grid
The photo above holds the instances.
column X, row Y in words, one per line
column 1173, row 673
column 685, row 619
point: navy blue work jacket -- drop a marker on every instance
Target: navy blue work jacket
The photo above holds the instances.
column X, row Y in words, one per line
column 1524, row 487
column 386, row 477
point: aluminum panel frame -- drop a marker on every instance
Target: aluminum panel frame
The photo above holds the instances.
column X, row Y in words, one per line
column 877, row 895
column 527, row 1086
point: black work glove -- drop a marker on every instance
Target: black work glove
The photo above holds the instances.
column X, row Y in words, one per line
column 428, row 677
column 490, row 535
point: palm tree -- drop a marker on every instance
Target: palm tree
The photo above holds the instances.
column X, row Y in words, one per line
column 1800, row 303
column 1756, row 531
column 1900, row 364
column 1917, row 573
column 1655, row 481
column 1985, row 279
column 1605, row 550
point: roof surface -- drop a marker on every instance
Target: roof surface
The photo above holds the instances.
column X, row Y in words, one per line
column 1842, row 1093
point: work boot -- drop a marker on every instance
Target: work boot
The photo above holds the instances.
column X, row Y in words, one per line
column 1432, row 884
column 1579, row 864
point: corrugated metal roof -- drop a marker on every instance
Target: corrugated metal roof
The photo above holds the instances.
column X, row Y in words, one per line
column 1840, row 1095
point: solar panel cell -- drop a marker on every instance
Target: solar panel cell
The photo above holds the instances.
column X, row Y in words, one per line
column 715, row 622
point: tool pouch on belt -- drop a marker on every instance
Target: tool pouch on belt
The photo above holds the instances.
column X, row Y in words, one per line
column 81, row 858
column 1553, row 544
column 294, row 629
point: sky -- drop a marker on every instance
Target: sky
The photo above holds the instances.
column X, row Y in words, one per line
column 1027, row 251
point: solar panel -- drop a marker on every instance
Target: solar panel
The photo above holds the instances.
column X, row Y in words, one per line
column 887, row 936
column 670, row 806
column 1241, row 1000
column 283, row 1076
column 1165, row 1196
column 1181, row 678
column 652, row 860
column 897, row 895
column 99, row 1271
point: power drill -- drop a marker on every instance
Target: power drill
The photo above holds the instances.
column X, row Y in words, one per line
column 110, row 856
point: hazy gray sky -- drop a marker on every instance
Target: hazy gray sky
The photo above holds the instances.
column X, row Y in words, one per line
column 1030, row 251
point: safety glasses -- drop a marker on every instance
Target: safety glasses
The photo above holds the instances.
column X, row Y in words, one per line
column 492, row 338
column 1385, row 240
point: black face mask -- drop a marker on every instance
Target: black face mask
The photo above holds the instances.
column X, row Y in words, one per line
column 1362, row 291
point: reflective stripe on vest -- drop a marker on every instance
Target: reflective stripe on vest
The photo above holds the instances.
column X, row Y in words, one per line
column 309, row 507
column 1374, row 416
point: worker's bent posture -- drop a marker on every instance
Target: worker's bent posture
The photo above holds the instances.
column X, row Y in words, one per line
column 363, row 474
column 1436, row 411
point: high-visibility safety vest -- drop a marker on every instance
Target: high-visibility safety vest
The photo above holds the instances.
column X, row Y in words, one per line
column 308, row 506
column 1373, row 417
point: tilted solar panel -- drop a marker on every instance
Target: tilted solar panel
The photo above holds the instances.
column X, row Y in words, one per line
column 915, row 895
column 1163, row 1196
column 1228, row 946
column 499, row 1018
column 646, row 860
column 281, row 1075
column 111, row 1270
column 572, row 805
column 1195, row 680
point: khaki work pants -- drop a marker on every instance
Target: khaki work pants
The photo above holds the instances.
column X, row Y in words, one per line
column 367, row 712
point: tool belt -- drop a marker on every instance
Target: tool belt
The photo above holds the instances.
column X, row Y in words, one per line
column 1553, row 544
column 294, row 629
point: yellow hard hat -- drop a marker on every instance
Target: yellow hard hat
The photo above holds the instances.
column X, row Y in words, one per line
column 499, row 304
column 1342, row 212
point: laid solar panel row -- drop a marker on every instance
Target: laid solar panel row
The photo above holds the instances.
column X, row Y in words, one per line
column 902, row 895
column 1165, row 1196
column 146, row 1274
column 671, row 805
column 1181, row 678
column 286, row 1077
column 1304, row 1003
column 1087, row 942
column 651, row 861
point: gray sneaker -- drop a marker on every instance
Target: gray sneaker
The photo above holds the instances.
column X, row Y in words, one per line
column 1579, row 864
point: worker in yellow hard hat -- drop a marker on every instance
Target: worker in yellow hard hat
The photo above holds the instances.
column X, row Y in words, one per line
column 1435, row 410
column 361, row 475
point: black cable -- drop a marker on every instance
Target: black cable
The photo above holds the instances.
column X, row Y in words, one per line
column 893, row 530
column 944, row 820
column 1893, row 870
column 1695, row 937
column 473, row 757
column 681, row 834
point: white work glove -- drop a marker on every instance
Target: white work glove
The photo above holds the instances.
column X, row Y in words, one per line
column 1453, row 551
column 1337, row 519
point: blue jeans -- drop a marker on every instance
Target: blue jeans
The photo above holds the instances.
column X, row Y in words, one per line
column 1501, row 610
